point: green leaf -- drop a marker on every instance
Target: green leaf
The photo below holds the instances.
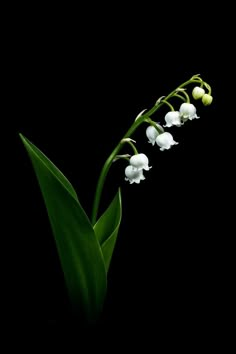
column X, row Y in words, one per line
column 107, row 227
column 79, row 250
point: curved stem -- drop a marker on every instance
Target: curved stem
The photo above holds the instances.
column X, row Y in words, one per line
column 116, row 150
column 155, row 108
column 168, row 104
column 133, row 146
column 158, row 127
column 208, row 87
column 179, row 96
column 106, row 167
column 187, row 96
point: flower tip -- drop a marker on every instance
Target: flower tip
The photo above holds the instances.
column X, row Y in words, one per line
column 159, row 100
column 207, row 99
column 140, row 114
column 198, row 92
column 147, row 168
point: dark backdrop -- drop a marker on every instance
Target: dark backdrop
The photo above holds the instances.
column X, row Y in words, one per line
column 77, row 88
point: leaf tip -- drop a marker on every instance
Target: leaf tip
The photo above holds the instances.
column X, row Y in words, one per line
column 22, row 137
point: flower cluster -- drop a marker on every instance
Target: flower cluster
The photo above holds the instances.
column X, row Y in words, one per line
column 134, row 172
column 199, row 93
column 156, row 133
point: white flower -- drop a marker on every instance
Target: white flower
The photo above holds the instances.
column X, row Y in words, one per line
column 207, row 99
column 152, row 134
column 198, row 92
column 134, row 172
column 188, row 111
column 140, row 162
column 172, row 118
column 133, row 175
column 165, row 141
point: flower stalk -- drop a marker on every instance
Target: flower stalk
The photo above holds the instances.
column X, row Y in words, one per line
column 144, row 116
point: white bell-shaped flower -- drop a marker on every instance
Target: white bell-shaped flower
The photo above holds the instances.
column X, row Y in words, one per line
column 198, row 92
column 165, row 141
column 188, row 111
column 172, row 118
column 133, row 175
column 139, row 161
column 152, row 134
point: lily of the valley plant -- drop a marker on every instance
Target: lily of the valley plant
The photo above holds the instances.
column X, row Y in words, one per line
column 85, row 245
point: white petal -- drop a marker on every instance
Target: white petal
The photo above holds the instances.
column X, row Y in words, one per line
column 187, row 111
column 165, row 141
column 139, row 161
column 133, row 175
column 172, row 118
column 151, row 133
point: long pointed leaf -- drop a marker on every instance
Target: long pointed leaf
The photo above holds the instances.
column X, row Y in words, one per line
column 107, row 227
column 79, row 250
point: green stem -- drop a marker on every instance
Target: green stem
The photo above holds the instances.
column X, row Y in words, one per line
column 116, row 150
column 208, row 87
column 132, row 145
column 158, row 127
column 187, row 96
column 181, row 97
column 106, row 167
column 168, row 104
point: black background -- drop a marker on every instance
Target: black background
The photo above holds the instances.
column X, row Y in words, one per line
column 78, row 80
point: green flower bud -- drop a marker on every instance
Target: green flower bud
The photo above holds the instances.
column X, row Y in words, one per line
column 207, row 99
column 198, row 92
